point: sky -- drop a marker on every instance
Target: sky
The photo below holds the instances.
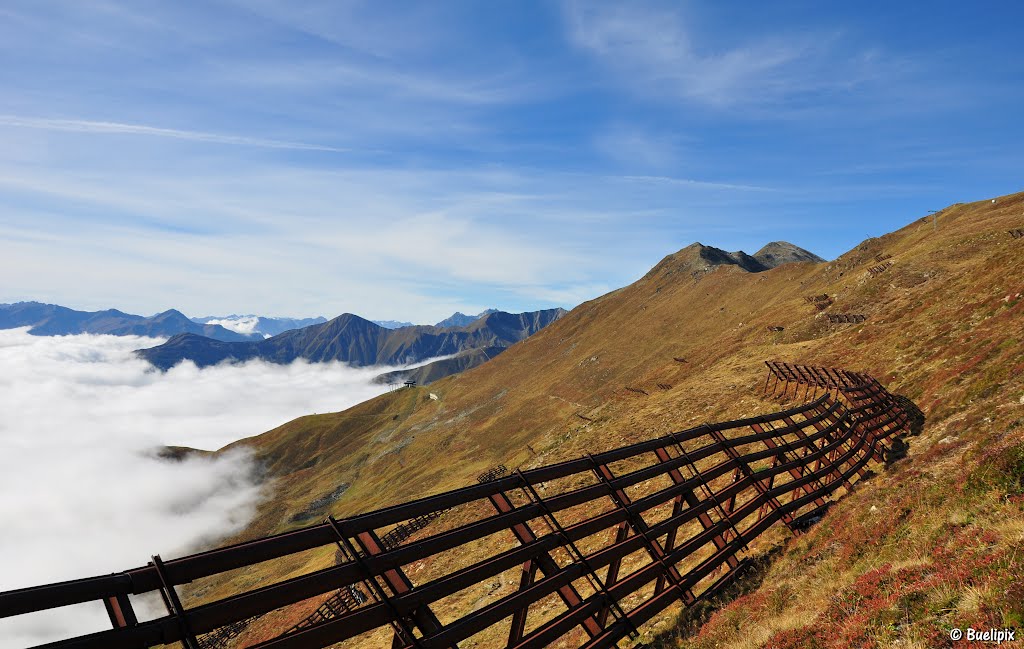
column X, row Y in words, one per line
column 406, row 160
column 80, row 417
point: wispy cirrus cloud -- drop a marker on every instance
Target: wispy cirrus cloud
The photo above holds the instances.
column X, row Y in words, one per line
column 637, row 147
column 119, row 128
column 653, row 49
column 696, row 184
column 359, row 26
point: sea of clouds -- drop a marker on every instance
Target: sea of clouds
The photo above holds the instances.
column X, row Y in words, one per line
column 82, row 492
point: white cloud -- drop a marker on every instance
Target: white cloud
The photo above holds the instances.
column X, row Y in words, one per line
column 359, row 240
column 80, row 491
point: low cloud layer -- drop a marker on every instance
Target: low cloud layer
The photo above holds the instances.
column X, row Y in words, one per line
column 81, row 492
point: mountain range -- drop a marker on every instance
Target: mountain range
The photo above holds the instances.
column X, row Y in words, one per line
column 393, row 324
column 55, row 320
column 360, row 342
column 467, row 340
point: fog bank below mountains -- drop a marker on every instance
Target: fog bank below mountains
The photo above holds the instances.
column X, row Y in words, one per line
column 81, row 489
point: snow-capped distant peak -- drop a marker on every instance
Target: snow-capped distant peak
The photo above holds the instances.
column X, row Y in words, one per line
column 239, row 324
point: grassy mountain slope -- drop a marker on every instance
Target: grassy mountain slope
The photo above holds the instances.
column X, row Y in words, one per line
column 943, row 328
column 439, row 369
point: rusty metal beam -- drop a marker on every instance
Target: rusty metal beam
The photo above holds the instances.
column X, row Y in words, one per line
column 758, row 484
column 518, row 626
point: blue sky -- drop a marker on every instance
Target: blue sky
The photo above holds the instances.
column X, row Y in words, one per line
column 404, row 160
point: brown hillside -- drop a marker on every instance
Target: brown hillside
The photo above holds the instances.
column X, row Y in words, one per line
column 689, row 340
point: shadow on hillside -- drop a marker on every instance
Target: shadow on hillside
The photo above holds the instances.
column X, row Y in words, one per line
column 692, row 618
column 899, row 447
column 897, row 451
column 915, row 414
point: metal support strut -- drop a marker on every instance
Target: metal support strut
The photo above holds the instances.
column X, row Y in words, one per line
column 188, row 639
column 596, row 583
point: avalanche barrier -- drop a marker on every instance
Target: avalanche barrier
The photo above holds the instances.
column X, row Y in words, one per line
column 583, row 551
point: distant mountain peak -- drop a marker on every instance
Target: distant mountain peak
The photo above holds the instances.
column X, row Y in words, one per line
column 697, row 259
column 778, row 253
column 265, row 326
column 171, row 313
column 346, row 318
column 460, row 319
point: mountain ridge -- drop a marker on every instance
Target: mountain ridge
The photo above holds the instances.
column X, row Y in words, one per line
column 393, row 324
column 457, row 319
